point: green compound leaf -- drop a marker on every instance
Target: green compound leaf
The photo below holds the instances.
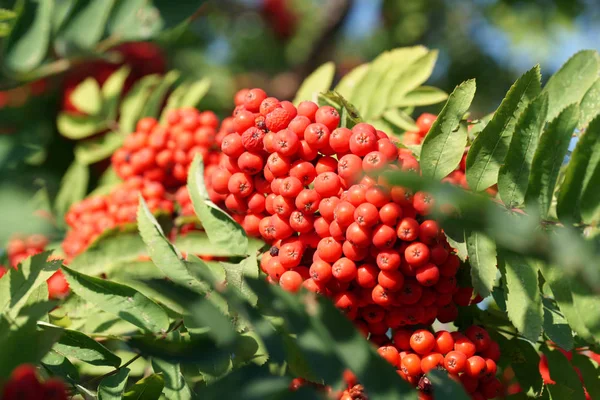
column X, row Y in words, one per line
column 548, row 158
column 488, row 150
column 555, row 325
column 513, row 176
column 221, row 229
column 112, row 387
column 482, row 257
column 85, row 26
column 317, row 82
column 444, row 145
column 571, row 82
column 120, row 300
column 27, row 44
column 584, row 161
column 149, row 388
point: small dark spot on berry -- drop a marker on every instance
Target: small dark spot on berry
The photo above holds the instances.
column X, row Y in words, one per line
column 274, row 251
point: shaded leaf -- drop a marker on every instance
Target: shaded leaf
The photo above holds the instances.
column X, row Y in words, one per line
column 148, row 388
column 134, row 20
column 446, row 388
column 513, row 176
column 444, row 145
column 567, row 384
column 198, row 243
column 85, row 26
column 58, row 365
column 570, row 83
column 584, row 161
column 548, row 158
column 524, row 360
column 134, row 102
column 221, row 229
column 94, row 150
column 73, row 187
column 112, row 387
column 236, row 274
column 317, row 82
column 82, row 347
column 157, row 96
column 119, row 300
column 175, row 386
column 555, row 325
column 523, row 299
column 590, row 374
column 27, row 44
column 17, row 285
column 488, row 150
column 482, row 257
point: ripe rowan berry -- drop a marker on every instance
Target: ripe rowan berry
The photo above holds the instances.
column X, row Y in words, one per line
column 432, row 361
column 411, row 365
column 390, row 354
column 422, row 341
column 455, row 362
column 417, row 254
column 291, row 281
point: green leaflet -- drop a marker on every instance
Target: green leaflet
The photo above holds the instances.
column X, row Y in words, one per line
column 584, row 161
column 570, row 83
column 548, row 158
column 489, row 148
column 317, row 82
column 523, row 299
column 444, row 145
column 513, row 176
column 120, row 300
column 482, row 257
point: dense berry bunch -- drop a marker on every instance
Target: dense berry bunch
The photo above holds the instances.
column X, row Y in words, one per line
column 25, row 385
column 469, row 357
column 94, row 215
column 163, row 153
column 19, row 248
column 424, row 123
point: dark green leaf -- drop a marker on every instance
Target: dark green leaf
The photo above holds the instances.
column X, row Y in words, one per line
column 85, row 25
column 446, row 388
column 134, row 102
column 576, row 302
column 72, row 188
column 590, row 105
column 198, row 243
column 93, row 150
column 156, row 98
column 584, row 160
column 173, row 14
column 590, row 374
column 317, row 82
column 112, row 387
column 548, row 158
column 149, row 388
column 17, row 285
column 444, row 145
column 79, row 126
column 6, row 15
column 27, row 45
column 567, row 384
column 58, row 365
column 164, row 255
column 175, row 386
column 555, row 325
column 23, row 345
column 113, row 249
column 236, row 274
column 221, row 229
column 524, row 360
column 482, row 257
column 200, row 349
column 523, row 299
column 513, row 176
column 570, row 83
column 422, row 96
column 489, row 148
column 120, row 300
column 590, row 198
column 82, row 347
column 134, row 20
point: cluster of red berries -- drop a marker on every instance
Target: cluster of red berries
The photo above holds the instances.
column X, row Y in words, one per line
column 310, row 188
column 20, row 248
column 424, row 123
column 353, row 391
column 470, row 358
column 25, row 385
column 281, row 17
column 163, row 153
column 94, row 215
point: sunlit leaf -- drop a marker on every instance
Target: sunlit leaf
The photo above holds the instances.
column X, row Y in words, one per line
column 317, row 82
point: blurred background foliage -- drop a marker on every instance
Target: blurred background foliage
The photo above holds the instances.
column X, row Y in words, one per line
column 273, row 44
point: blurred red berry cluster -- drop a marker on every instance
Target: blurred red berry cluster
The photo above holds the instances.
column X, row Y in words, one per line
column 24, row 384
